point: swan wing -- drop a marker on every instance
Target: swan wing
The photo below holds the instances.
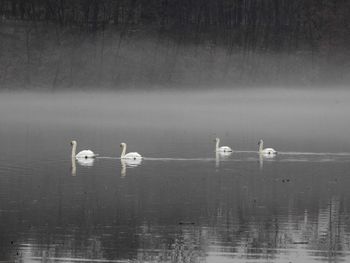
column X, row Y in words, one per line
column 132, row 155
column 269, row 151
column 224, row 149
column 85, row 154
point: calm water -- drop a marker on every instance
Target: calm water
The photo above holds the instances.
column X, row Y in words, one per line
column 182, row 203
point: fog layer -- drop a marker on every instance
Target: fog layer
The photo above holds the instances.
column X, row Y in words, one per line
column 160, row 123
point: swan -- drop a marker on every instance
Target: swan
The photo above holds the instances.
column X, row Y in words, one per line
column 131, row 155
column 84, row 154
column 222, row 149
column 266, row 151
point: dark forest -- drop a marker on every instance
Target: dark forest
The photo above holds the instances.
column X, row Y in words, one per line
column 126, row 43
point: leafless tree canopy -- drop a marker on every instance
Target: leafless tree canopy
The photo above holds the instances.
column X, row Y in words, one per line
column 82, row 42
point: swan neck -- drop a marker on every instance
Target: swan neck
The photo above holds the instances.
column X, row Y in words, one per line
column 74, row 150
column 261, row 161
column 123, row 170
column 123, row 150
column 217, row 144
column 217, row 160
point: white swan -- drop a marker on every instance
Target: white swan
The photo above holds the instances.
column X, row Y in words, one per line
column 222, row 149
column 131, row 155
column 84, row 154
column 266, row 151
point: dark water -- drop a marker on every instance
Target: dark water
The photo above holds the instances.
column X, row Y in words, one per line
column 182, row 203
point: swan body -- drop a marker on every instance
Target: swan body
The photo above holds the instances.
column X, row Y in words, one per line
column 132, row 156
column 129, row 156
column 84, row 154
column 266, row 151
column 222, row 149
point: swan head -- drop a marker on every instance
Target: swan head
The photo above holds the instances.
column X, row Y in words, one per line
column 260, row 142
column 73, row 143
column 216, row 139
column 123, row 144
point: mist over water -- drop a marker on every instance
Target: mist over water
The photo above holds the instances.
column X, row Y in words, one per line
column 292, row 120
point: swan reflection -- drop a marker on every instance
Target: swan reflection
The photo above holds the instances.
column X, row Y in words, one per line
column 128, row 163
column 82, row 161
column 73, row 167
column 88, row 162
column 221, row 156
column 263, row 156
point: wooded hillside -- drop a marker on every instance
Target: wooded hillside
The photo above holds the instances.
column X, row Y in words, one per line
column 114, row 42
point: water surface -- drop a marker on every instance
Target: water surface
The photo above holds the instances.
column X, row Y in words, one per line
column 182, row 203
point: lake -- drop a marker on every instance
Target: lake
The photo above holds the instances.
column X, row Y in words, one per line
column 182, row 202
